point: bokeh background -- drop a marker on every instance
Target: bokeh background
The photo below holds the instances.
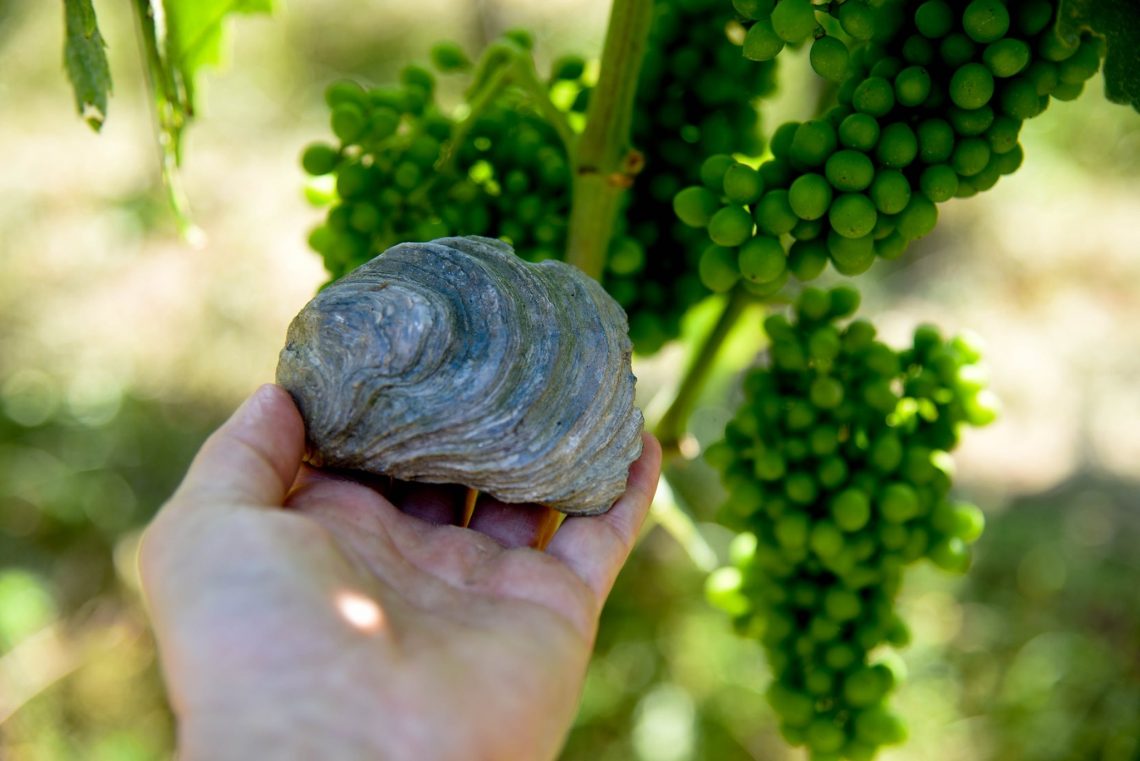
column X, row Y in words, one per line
column 122, row 345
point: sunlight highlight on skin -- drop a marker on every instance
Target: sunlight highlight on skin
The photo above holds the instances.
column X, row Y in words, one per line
column 360, row 611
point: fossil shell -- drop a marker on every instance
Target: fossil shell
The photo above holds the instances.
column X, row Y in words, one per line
column 457, row 362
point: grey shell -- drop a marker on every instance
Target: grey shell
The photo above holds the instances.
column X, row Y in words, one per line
column 456, row 362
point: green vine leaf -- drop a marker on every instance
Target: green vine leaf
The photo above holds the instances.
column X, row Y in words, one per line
column 85, row 57
column 180, row 38
column 1118, row 22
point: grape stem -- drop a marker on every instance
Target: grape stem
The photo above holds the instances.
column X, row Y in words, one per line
column 671, row 426
column 605, row 163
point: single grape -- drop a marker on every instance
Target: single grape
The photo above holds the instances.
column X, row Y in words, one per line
column 774, row 215
column 348, row 122
column 874, row 96
column 1019, row 99
column 898, row 145
column 717, row 268
column 956, row 49
column 809, row 196
column 985, row 20
column 448, row 56
column 857, row 19
column 849, row 170
column 890, row 191
column 754, row 9
column 939, row 182
column 972, row 86
column 319, row 158
column 1006, row 57
column 971, row 122
column 918, row 50
column 1083, row 64
column 794, row 20
column 695, row 206
column 730, row 226
column 814, row 141
column 912, row 86
column 970, row 156
column 761, row 43
column 859, row 131
column 852, row 215
column 807, row 259
column 829, row 57
column 851, row 256
column 761, row 259
column 934, row 19
column 742, row 184
column 918, row 218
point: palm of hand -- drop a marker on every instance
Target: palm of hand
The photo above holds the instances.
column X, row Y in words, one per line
column 347, row 619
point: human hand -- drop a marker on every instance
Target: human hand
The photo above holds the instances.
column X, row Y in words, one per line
column 301, row 615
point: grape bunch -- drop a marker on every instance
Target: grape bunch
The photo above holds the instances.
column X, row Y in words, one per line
column 695, row 96
column 838, row 472
column 931, row 97
column 406, row 170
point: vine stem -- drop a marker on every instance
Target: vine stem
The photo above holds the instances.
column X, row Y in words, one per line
column 605, row 163
column 671, row 426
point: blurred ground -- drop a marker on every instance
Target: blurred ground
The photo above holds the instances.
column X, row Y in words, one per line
column 121, row 347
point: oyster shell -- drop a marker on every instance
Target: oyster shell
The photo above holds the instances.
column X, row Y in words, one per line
column 455, row 361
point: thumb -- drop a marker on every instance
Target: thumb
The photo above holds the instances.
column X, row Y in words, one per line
column 252, row 459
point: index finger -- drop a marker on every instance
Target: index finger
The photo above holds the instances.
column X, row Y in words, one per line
column 596, row 547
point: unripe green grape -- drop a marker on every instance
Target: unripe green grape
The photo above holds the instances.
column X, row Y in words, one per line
column 874, row 96
column 717, row 268
column 938, row 182
column 319, row 159
column 792, row 530
column 970, row 156
column 950, row 554
column 826, row 393
column 985, row 20
column 781, row 142
column 742, row 184
column 935, row 140
column 857, row 19
column 813, row 304
column 859, row 131
column 448, row 56
column 814, row 141
column 354, row 180
column 878, row 726
column 1053, row 48
column 912, row 86
column 865, row 687
column 626, row 256
column 568, row 68
column 776, row 173
column 891, row 247
column 348, row 122
column 365, row 218
column 1066, row 92
column 1083, row 64
column 890, row 191
column 382, row 123
column 823, row 440
column 1044, row 75
column 345, row 91
column 730, row 226
column 1033, row 16
column 713, row 169
column 1010, row 161
column 898, row 145
column 918, row 50
column 774, row 215
column 762, row 43
column 826, row 540
column 695, row 206
column 1007, row 57
column 807, row 259
column 849, row 170
column 754, row 9
column 934, row 19
column 824, row 737
column 1020, row 100
column 793, row 707
column 971, row 86
column 971, row 122
column 918, row 218
column 794, row 20
column 829, row 58
column 852, row 215
column 956, row 49
column 809, row 196
column 887, row 67
column 898, row 503
column 808, row 229
column 761, row 259
column 841, row 604
column 850, row 509
column 851, row 256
